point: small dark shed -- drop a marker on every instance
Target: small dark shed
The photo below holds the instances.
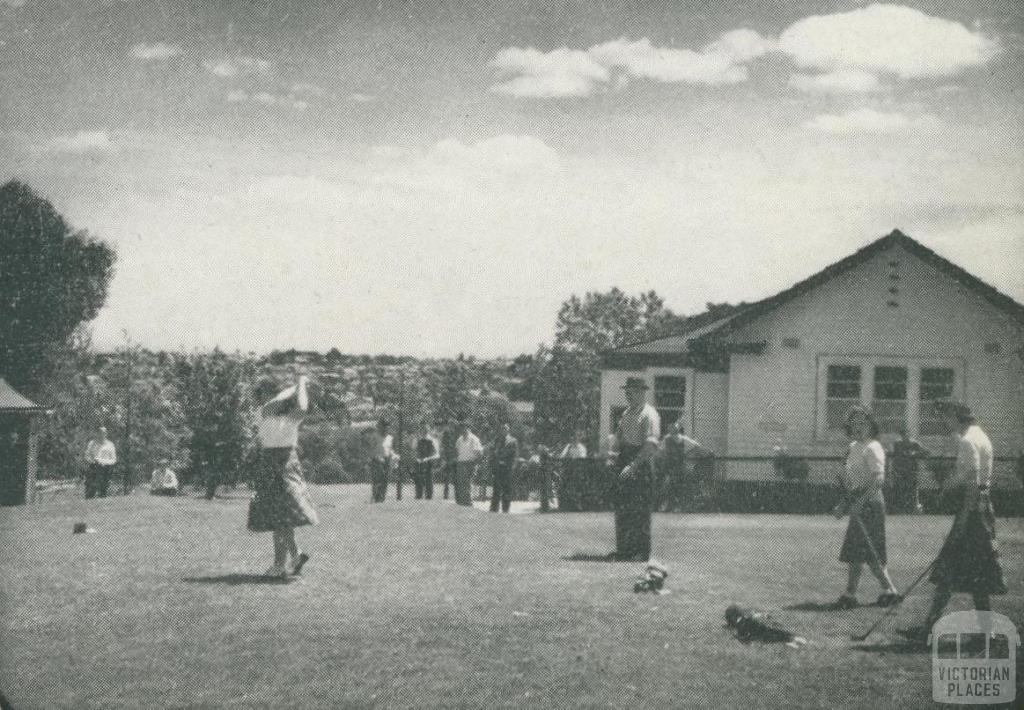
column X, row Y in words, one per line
column 18, row 434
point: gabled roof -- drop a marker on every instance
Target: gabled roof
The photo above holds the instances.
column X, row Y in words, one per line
column 13, row 401
column 894, row 238
column 676, row 350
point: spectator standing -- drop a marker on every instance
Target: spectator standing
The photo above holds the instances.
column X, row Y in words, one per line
column 574, row 490
column 100, row 458
column 427, row 453
column 468, row 452
column 381, row 455
column 163, row 482
column 503, row 461
column 679, row 487
column 449, row 456
column 906, row 456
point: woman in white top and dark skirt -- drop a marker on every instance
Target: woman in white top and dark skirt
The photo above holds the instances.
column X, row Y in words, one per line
column 281, row 501
column 863, row 480
column 969, row 559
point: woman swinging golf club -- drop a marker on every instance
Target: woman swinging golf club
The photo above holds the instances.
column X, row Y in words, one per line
column 969, row 560
column 863, row 479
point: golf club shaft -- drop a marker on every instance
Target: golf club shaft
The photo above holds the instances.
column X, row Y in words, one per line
column 899, row 600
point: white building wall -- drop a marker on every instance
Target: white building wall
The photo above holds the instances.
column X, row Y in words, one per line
column 775, row 396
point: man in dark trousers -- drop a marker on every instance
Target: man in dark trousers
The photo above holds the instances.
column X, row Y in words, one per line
column 426, row 454
column 637, row 437
column 503, row 459
column 448, row 455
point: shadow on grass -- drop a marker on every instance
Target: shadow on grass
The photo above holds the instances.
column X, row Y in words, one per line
column 813, row 606
column 591, row 557
column 233, row 580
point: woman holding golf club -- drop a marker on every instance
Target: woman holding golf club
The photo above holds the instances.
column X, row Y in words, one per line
column 281, row 502
column 969, row 559
column 863, row 479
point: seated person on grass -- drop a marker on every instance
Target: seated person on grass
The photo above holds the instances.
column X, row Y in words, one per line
column 164, row 482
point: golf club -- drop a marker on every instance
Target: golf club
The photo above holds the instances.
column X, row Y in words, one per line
column 891, row 609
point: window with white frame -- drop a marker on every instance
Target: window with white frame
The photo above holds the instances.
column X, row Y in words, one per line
column 937, row 383
column 842, row 391
column 669, row 399
column 900, row 391
column 889, row 402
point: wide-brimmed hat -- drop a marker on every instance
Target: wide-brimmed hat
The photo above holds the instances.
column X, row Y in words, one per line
column 635, row 383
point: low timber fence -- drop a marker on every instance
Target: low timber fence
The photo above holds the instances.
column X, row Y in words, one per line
column 748, row 484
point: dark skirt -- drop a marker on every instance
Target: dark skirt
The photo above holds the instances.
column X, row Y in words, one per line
column 856, row 547
column 281, row 499
column 969, row 562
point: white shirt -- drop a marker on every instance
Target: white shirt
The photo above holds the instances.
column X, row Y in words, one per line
column 382, row 447
column 102, row 452
column 279, row 432
column 574, row 451
column 163, row 479
column 468, row 448
column 974, row 458
column 865, row 464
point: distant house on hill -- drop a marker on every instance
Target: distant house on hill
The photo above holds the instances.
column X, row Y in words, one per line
column 893, row 326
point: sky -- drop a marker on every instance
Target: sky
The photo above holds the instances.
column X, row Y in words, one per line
column 430, row 178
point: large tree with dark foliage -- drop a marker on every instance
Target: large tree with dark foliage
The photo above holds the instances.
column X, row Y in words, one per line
column 566, row 383
column 53, row 278
column 214, row 395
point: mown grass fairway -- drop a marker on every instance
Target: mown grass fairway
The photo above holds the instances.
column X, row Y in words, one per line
column 423, row 604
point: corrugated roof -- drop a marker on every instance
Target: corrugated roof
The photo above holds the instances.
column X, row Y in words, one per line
column 13, row 401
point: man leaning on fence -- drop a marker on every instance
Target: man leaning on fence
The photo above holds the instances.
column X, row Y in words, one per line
column 637, row 439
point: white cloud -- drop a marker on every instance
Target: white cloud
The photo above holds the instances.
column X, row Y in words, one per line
column 504, row 153
column 843, row 81
column 570, row 72
column 886, row 38
column 265, row 98
column 308, row 89
column 239, row 66
column 561, row 72
column 155, row 52
column 81, row 143
column 866, row 120
column 362, row 98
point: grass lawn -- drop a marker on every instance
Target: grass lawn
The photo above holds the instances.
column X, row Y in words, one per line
column 424, row 604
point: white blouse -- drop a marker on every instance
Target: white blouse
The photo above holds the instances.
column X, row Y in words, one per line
column 974, row 458
column 865, row 464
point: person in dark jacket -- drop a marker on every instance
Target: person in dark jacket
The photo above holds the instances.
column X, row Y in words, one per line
column 427, row 452
column 503, row 460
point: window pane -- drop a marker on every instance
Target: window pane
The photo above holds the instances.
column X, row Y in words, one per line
column 890, row 400
column 842, row 391
column 668, row 416
column 670, row 391
column 972, row 645
column 936, row 383
column 998, row 647
column 947, row 646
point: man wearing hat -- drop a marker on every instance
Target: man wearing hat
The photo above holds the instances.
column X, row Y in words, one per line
column 637, row 435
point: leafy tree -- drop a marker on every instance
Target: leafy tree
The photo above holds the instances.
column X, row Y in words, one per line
column 566, row 386
column 218, row 411
column 52, row 279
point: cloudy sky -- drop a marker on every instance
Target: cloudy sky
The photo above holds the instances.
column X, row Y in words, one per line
column 436, row 177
